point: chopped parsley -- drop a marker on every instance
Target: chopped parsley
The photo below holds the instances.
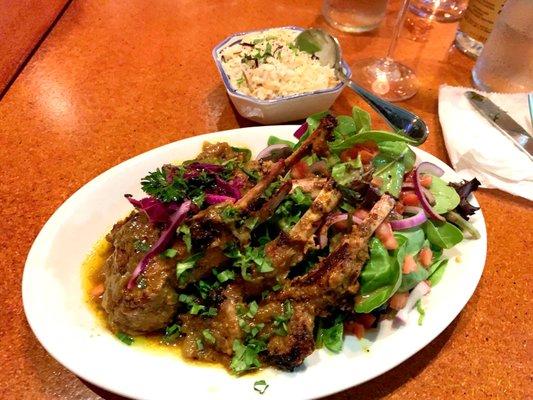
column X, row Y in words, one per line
column 421, row 312
column 249, row 258
column 281, row 321
column 126, row 339
column 169, row 253
column 224, row 276
column 186, row 236
column 208, row 336
column 241, row 80
column 246, row 357
column 172, row 332
column 186, row 265
column 260, row 386
column 229, row 214
column 195, row 308
column 199, row 344
column 141, row 246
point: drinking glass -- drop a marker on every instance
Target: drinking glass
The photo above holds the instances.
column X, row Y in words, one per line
column 354, row 15
column 441, row 10
column 506, row 61
column 384, row 76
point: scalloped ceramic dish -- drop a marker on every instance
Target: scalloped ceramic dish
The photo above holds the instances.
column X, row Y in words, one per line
column 283, row 109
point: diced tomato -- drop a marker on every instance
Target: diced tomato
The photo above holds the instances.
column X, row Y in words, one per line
column 399, row 207
column 409, row 177
column 367, row 151
column 398, row 300
column 377, row 181
column 360, row 213
column 425, row 180
column 300, row 170
column 98, row 290
column 354, row 328
column 384, row 233
column 409, row 199
column 366, row 156
column 409, row 264
column 367, row 320
column 425, row 256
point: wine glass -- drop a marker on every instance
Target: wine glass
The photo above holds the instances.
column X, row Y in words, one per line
column 384, row 76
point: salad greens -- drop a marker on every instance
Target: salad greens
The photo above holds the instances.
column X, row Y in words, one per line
column 442, row 234
column 446, row 198
column 381, row 277
column 330, row 337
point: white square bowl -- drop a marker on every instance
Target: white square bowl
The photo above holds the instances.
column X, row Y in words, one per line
column 283, row 109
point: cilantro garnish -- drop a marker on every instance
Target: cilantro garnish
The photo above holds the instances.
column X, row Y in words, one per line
column 126, row 339
column 260, row 386
column 208, row 336
column 141, row 246
column 281, row 321
column 185, row 265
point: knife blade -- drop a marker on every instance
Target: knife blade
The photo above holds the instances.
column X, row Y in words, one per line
column 501, row 120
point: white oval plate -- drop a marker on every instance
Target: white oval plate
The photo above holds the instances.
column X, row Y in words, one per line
column 63, row 323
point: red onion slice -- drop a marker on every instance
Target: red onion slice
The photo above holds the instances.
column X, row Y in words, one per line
column 432, row 169
column 416, row 294
column 166, row 236
column 427, row 193
column 418, row 218
column 301, row 130
column 267, row 152
column 332, row 220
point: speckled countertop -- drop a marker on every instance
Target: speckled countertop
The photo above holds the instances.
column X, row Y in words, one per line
column 117, row 78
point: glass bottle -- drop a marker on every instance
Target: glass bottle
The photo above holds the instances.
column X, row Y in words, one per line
column 476, row 25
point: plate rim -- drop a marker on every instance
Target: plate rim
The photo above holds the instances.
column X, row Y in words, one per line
column 48, row 228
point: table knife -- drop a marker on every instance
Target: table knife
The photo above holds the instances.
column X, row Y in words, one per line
column 501, row 120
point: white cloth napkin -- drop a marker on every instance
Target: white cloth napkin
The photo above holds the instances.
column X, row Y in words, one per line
column 478, row 149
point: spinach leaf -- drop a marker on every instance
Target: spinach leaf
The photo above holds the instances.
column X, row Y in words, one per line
column 338, row 146
column 346, row 173
column 361, row 119
column 383, row 279
column 411, row 279
column 393, row 161
column 247, row 153
column 436, row 271
column 276, row 140
column 345, row 126
column 442, row 234
column 332, row 337
column 446, row 198
column 378, row 271
column 415, row 239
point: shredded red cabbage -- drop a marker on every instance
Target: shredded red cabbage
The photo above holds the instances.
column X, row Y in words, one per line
column 152, row 207
column 166, row 236
column 232, row 188
column 211, row 198
column 301, row 130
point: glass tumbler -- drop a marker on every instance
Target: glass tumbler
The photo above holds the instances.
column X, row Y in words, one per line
column 441, row 10
column 354, row 15
column 506, row 61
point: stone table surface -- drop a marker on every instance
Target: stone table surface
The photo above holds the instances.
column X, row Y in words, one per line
column 116, row 78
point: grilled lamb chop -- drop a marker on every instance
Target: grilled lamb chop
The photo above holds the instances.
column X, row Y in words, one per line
column 322, row 287
column 288, row 249
column 210, row 228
